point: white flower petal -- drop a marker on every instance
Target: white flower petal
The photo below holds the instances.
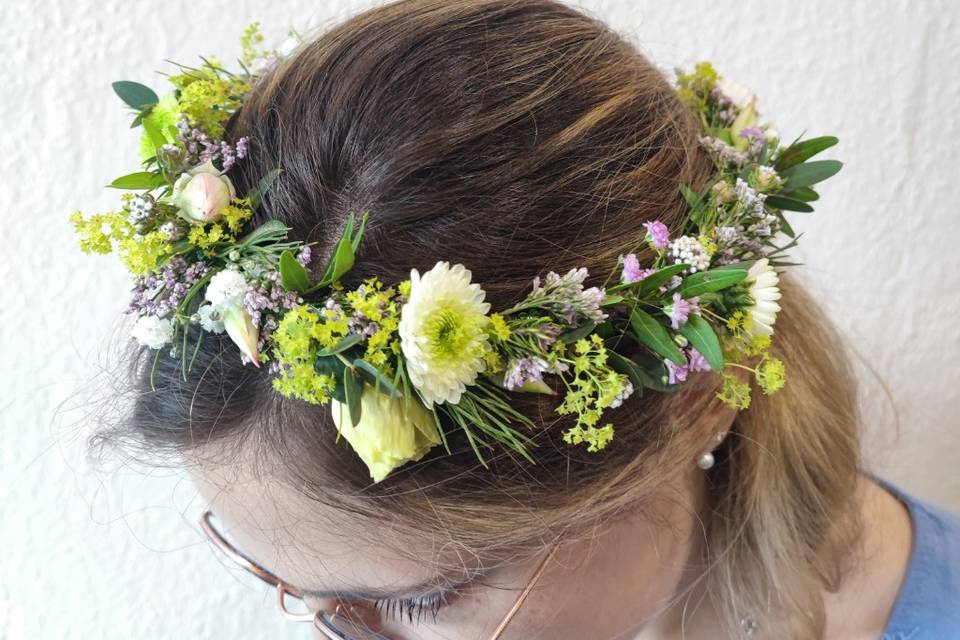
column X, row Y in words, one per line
column 443, row 295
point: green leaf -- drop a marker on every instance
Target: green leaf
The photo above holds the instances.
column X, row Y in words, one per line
column 785, row 226
column 692, row 197
column 808, row 173
column 355, row 242
column 255, row 195
column 267, row 229
column 787, row 203
column 655, row 335
column 139, row 180
column 611, row 300
column 293, row 276
column 352, row 391
column 803, row 151
column 376, row 378
column 345, row 343
column 340, row 263
column 639, row 374
column 806, row 194
column 653, row 281
column 580, row 332
column 702, row 336
column 135, row 94
column 709, row 281
column 335, row 367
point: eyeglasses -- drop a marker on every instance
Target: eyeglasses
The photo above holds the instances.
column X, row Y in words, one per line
column 348, row 621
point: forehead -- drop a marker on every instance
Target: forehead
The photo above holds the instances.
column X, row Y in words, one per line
column 308, row 544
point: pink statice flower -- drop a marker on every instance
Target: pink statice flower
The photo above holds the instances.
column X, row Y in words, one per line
column 632, row 272
column 657, row 233
column 679, row 311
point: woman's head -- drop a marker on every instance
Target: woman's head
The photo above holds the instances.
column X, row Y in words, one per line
column 515, row 138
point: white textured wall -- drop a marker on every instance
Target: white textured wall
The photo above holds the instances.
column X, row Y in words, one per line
column 87, row 554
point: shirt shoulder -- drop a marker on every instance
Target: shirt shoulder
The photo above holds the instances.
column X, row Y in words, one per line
column 928, row 604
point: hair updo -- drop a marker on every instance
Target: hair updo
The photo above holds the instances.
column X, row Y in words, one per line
column 516, row 137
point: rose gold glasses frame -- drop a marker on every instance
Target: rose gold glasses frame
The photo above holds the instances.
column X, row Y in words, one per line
column 342, row 609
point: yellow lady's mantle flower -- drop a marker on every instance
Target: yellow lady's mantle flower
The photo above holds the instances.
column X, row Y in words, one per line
column 385, row 438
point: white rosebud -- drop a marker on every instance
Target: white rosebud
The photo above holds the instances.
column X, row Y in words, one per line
column 201, row 193
column 770, row 132
column 239, row 326
column 738, row 94
column 153, row 332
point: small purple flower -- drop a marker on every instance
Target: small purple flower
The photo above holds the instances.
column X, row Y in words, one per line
column 524, row 370
column 657, row 233
column 696, row 361
column 303, row 257
column 752, row 134
column 681, row 309
column 676, row 373
column 632, row 272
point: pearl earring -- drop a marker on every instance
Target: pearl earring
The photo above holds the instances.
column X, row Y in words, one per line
column 706, row 460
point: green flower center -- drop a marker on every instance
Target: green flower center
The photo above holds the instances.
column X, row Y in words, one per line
column 451, row 331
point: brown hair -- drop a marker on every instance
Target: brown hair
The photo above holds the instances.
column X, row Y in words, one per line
column 519, row 137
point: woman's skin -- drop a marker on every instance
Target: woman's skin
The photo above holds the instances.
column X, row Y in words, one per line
column 635, row 580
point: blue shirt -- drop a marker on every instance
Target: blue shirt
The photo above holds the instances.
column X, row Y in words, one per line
column 928, row 604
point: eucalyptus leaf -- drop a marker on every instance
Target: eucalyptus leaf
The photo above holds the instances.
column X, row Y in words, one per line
column 293, row 276
column 139, row 180
column 135, row 94
column 702, row 336
column 809, row 173
column 785, row 226
column 653, row 281
column 654, row 335
column 575, row 334
column 376, row 378
column 709, row 281
column 335, row 367
column 345, row 343
column 805, row 194
column 352, row 391
column 787, row 203
column 640, row 375
column 803, row 151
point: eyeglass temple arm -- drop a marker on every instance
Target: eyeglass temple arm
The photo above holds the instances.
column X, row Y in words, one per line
column 526, row 591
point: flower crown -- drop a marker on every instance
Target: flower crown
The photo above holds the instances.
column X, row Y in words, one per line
column 391, row 359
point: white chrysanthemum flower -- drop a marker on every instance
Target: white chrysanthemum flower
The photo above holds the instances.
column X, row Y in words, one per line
column 227, row 288
column 763, row 281
column 442, row 332
column 153, row 332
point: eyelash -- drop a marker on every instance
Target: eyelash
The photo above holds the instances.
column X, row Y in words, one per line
column 396, row 608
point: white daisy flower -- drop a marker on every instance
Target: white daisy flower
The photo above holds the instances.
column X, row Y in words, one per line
column 763, row 281
column 153, row 332
column 442, row 332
